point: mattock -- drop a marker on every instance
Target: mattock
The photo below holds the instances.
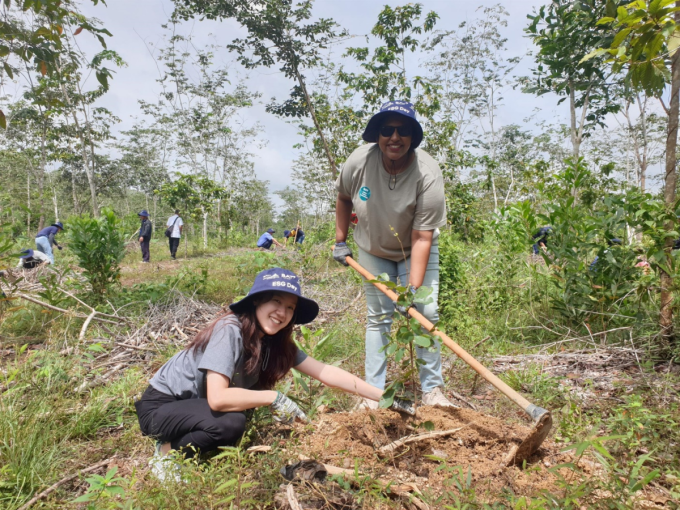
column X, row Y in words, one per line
column 541, row 417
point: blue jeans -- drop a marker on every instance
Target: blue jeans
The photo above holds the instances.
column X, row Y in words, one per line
column 381, row 309
column 43, row 245
column 300, row 239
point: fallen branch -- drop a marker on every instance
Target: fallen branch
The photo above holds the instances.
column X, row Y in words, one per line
column 135, row 347
column 292, row 499
column 61, row 310
column 420, row 437
column 125, row 319
column 460, row 397
column 54, row 487
column 86, row 324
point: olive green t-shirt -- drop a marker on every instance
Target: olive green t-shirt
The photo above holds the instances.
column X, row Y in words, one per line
column 416, row 202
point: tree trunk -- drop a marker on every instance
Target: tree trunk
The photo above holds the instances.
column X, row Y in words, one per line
column 312, row 112
column 41, row 178
column 54, row 201
column 83, row 145
column 28, row 203
column 205, row 229
column 666, row 310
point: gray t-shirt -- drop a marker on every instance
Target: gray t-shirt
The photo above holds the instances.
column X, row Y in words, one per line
column 183, row 376
column 416, row 203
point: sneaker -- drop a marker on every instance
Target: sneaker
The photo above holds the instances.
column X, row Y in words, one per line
column 437, row 398
column 365, row 404
column 164, row 467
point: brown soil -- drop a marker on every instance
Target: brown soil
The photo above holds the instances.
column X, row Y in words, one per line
column 341, row 439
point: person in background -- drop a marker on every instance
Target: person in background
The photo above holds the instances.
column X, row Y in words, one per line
column 46, row 238
column 196, row 401
column 175, row 221
column 394, row 188
column 266, row 240
column 296, row 234
column 145, row 231
column 541, row 238
column 610, row 243
column 31, row 259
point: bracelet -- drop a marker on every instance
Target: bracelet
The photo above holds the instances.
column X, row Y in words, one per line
column 343, row 243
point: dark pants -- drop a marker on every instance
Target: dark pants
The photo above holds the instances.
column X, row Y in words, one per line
column 174, row 244
column 187, row 422
column 267, row 244
column 145, row 249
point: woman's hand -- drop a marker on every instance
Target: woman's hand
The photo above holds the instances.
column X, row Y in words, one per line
column 285, row 410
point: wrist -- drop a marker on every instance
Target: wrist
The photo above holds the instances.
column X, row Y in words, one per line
column 273, row 396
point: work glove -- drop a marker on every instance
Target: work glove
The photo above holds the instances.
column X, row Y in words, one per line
column 402, row 309
column 403, row 406
column 340, row 252
column 60, row 248
column 285, row 410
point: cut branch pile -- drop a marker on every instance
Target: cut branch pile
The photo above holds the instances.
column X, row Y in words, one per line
column 28, row 280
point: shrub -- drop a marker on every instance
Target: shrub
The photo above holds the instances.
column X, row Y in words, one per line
column 99, row 246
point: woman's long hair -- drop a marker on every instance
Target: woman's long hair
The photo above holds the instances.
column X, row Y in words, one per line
column 281, row 346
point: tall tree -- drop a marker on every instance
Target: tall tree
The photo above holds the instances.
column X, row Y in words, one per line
column 646, row 38
column 279, row 32
column 565, row 32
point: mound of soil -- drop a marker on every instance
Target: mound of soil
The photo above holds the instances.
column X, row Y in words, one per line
column 354, row 440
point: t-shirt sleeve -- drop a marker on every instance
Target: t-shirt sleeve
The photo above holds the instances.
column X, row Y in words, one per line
column 431, row 204
column 300, row 356
column 343, row 183
column 180, row 222
column 223, row 351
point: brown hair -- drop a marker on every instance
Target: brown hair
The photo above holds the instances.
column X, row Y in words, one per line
column 281, row 346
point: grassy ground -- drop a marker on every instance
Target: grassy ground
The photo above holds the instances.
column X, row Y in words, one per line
column 49, row 430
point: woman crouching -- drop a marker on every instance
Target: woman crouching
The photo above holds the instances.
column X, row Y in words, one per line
column 198, row 397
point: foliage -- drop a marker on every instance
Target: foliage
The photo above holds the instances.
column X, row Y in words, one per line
column 409, row 334
column 565, row 32
column 317, row 345
column 645, row 35
column 103, row 489
column 99, row 246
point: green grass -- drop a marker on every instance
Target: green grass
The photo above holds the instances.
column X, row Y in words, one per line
column 48, row 430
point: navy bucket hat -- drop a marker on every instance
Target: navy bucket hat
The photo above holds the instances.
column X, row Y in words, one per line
column 27, row 254
column 58, row 224
column 403, row 108
column 279, row 280
column 143, row 213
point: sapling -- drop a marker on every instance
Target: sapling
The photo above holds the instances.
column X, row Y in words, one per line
column 408, row 335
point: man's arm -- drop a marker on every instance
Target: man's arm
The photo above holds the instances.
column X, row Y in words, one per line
column 421, row 243
column 343, row 210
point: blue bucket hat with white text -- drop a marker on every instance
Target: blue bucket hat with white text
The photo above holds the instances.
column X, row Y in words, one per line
column 403, row 108
column 279, row 280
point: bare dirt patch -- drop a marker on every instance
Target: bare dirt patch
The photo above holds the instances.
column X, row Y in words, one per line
column 354, row 441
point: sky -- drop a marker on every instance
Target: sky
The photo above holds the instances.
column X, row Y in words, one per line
column 136, row 27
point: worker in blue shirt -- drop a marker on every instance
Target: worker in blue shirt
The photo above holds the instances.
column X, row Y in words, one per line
column 266, row 240
column 45, row 239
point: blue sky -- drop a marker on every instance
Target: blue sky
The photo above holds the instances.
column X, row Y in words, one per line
column 136, row 23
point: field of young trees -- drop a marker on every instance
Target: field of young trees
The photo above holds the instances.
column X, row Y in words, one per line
column 587, row 327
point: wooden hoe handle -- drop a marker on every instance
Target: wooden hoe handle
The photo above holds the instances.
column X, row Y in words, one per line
column 534, row 411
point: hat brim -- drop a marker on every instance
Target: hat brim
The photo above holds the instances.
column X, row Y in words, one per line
column 58, row 226
column 372, row 128
column 306, row 309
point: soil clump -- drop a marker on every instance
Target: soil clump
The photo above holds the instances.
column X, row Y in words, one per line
column 354, row 441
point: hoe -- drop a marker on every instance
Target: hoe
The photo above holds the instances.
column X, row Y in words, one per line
column 541, row 417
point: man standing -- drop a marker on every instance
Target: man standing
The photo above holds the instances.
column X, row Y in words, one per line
column 266, row 240
column 45, row 239
column 145, row 235
column 174, row 225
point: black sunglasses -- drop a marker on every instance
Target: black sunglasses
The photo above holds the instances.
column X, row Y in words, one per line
column 388, row 131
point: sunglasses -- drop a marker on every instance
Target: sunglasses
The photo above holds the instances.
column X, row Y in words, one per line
column 388, row 131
